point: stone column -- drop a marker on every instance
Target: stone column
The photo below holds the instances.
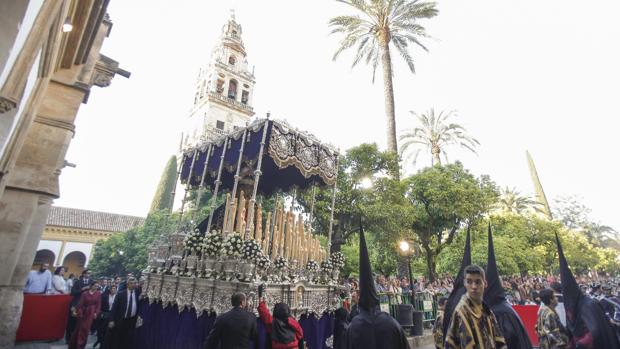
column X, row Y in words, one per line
column 22, row 219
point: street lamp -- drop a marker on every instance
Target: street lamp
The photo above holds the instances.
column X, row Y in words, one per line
column 407, row 251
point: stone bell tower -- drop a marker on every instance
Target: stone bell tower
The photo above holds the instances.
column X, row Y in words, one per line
column 224, row 89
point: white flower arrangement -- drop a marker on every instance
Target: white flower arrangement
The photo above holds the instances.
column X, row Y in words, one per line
column 337, row 259
column 327, row 266
column 262, row 261
column 212, row 243
column 280, row 262
column 193, row 241
column 250, row 250
column 232, row 245
column 312, row 265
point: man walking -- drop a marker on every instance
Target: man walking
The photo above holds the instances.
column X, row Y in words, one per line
column 235, row 328
column 123, row 316
column 551, row 333
column 473, row 325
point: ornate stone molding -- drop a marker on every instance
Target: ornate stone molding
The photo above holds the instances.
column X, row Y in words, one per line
column 6, row 104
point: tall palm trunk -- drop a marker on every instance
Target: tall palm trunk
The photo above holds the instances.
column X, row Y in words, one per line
column 388, row 92
column 436, row 151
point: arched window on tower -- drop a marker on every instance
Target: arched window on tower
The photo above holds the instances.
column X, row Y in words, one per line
column 232, row 60
column 219, row 88
column 245, row 95
column 232, row 89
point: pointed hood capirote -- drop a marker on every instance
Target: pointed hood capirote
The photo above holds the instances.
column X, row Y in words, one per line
column 458, row 289
column 584, row 316
column 512, row 327
column 494, row 292
column 368, row 293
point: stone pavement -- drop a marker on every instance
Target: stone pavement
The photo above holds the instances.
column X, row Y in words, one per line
column 52, row 345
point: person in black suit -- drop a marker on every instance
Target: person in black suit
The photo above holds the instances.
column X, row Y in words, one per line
column 82, row 285
column 107, row 301
column 235, row 328
column 123, row 316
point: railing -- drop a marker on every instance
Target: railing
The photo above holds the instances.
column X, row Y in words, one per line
column 422, row 301
column 231, row 101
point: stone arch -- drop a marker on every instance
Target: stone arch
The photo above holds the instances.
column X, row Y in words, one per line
column 44, row 256
column 232, row 89
column 74, row 262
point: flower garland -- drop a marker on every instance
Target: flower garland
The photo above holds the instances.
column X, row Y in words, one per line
column 327, row 266
column 193, row 241
column 231, row 247
column 262, row 261
column 312, row 265
column 212, row 243
column 337, row 259
column 250, row 250
column 280, row 262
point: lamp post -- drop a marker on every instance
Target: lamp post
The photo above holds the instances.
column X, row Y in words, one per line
column 407, row 251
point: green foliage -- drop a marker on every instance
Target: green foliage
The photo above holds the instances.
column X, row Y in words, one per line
column 435, row 134
column 127, row 252
column 441, row 199
column 163, row 196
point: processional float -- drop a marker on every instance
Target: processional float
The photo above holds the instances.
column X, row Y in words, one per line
column 241, row 245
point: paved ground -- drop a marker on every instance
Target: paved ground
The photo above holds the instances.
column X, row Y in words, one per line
column 53, row 345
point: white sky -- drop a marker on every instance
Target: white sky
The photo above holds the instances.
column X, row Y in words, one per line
column 526, row 74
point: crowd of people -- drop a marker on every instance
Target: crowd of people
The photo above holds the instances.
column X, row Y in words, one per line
column 107, row 307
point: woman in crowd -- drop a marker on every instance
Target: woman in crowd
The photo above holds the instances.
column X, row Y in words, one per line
column 59, row 285
column 87, row 310
column 285, row 331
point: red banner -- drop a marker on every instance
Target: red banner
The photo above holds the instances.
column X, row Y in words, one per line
column 44, row 317
column 529, row 316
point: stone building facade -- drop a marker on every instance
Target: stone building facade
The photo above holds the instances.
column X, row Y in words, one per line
column 70, row 235
column 49, row 60
column 224, row 89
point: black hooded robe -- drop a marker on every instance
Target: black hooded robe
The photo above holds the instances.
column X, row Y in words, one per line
column 372, row 328
column 510, row 323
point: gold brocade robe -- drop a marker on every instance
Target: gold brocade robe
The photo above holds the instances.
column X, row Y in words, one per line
column 551, row 333
column 473, row 327
column 438, row 331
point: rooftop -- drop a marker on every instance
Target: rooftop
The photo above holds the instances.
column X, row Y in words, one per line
column 91, row 220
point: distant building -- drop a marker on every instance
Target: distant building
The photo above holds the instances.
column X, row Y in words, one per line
column 70, row 235
column 224, row 89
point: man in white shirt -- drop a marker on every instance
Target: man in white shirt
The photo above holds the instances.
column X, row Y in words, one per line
column 39, row 281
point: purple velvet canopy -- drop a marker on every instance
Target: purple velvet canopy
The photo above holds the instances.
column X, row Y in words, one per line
column 291, row 158
column 168, row 328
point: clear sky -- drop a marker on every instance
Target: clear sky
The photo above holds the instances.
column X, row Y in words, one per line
column 527, row 74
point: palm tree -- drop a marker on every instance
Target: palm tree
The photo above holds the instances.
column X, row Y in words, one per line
column 435, row 134
column 511, row 201
column 379, row 23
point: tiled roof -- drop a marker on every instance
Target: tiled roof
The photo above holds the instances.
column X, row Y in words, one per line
column 91, row 220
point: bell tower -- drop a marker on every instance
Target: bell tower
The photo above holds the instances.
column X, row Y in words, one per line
column 224, row 89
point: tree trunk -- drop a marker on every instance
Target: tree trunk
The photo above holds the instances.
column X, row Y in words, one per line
column 431, row 263
column 436, row 159
column 388, row 91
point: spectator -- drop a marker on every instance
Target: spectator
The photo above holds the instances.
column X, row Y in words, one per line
column 59, row 285
column 107, row 301
column 285, row 331
column 39, row 281
column 87, row 310
column 124, row 316
column 355, row 298
column 341, row 325
column 70, row 281
column 81, row 285
column 235, row 328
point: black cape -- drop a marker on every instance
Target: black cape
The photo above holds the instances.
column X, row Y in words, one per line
column 372, row 328
column 585, row 318
column 375, row 330
column 512, row 327
column 458, row 289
